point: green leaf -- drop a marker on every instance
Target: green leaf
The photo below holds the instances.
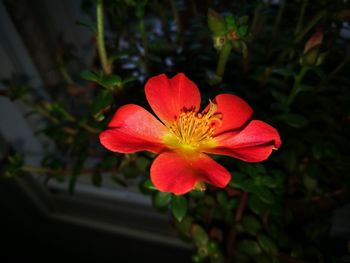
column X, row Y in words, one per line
column 285, row 72
column 267, row 244
column 197, row 194
column 279, row 96
column 149, row 185
column 230, row 22
column 243, row 31
column 243, row 20
column 129, row 79
column 200, row 237
column 102, row 102
column 161, row 199
column 197, row 259
column 142, row 163
column 257, row 205
column 179, row 207
column 249, row 247
column 217, row 257
column 221, row 196
column 309, row 182
column 90, row 76
column 250, row 186
column 111, row 81
column 295, row 120
column 251, row 224
column 237, row 181
column 265, row 194
column 185, row 226
column 270, row 182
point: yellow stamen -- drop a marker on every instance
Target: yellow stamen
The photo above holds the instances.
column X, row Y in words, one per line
column 193, row 132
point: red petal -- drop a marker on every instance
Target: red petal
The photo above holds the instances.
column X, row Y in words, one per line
column 235, row 112
column 171, row 172
column 133, row 129
column 253, row 144
column 167, row 97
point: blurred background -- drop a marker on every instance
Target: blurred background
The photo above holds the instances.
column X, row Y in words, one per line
column 41, row 220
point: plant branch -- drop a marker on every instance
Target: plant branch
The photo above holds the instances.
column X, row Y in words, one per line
column 231, row 240
column 106, row 65
column 223, row 58
column 301, row 16
column 296, row 86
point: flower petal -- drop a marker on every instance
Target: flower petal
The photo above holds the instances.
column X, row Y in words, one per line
column 234, row 110
column 253, row 144
column 171, row 172
column 167, row 97
column 133, row 129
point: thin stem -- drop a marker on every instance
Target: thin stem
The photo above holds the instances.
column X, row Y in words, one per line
column 223, row 58
column 339, row 67
column 276, row 26
column 296, row 87
column 43, row 111
column 257, row 18
column 230, row 244
column 106, row 65
column 301, row 16
column 40, row 109
column 40, row 170
column 279, row 18
column 241, row 207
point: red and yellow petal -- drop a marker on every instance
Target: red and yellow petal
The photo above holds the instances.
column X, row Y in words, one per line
column 167, row 97
column 253, row 144
column 171, row 172
column 133, row 129
column 235, row 112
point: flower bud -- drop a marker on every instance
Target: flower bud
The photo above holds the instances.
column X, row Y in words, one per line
column 314, row 41
column 311, row 55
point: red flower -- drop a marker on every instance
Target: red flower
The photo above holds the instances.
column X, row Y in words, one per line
column 182, row 136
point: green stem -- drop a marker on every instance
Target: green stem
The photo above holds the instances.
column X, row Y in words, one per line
column 296, row 87
column 223, row 58
column 257, row 18
column 40, row 109
column 43, row 111
column 106, row 65
column 339, row 67
column 276, row 27
column 301, row 16
column 279, row 18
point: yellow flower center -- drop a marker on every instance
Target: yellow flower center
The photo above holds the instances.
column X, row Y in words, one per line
column 192, row 132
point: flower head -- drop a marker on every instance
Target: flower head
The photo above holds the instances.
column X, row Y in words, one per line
column 183, row 136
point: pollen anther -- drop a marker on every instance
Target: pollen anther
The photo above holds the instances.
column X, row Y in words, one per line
column 194, row 129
